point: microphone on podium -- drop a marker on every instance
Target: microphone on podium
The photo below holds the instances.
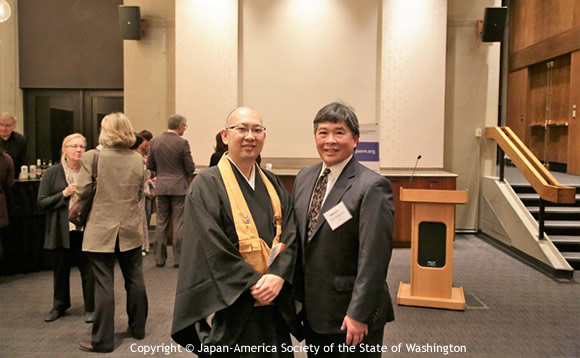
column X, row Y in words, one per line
column 415, row 168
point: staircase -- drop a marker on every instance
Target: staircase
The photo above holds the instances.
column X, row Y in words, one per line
column 561, row 221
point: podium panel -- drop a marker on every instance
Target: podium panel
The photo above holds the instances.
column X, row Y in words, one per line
column 433, row 233
column 431, row 251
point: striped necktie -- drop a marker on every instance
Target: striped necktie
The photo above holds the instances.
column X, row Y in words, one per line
column 317, row 198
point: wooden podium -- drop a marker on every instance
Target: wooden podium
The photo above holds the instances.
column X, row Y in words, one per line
column 432, row 236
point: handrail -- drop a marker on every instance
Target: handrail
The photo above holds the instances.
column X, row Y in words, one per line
column 531, row 168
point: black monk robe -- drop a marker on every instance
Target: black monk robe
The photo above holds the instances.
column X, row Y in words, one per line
column 213, row 276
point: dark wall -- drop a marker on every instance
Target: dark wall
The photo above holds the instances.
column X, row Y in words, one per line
column 70, row 44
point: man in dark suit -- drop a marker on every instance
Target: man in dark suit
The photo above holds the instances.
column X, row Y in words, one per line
column 170, row 157
column 345, row 218
column 13, row 142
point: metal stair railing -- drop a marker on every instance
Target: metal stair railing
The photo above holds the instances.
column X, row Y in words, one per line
column 540, row 178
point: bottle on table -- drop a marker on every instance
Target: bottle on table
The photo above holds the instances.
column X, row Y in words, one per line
column 24, row 172
column 39, row 170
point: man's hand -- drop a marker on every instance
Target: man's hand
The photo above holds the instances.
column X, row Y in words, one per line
column 355, row 330
column 267, row 288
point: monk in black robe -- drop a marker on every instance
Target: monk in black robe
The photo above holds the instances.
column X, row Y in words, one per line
column 223, row 304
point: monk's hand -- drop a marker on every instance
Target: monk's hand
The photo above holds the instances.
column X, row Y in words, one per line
column 267, row 288
column 355, row 330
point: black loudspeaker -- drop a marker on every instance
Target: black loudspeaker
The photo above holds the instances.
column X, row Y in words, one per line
column 493, row 24
column 130, row 22
column 432, row 244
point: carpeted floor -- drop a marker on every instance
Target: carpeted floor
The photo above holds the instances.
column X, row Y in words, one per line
column 513, row 311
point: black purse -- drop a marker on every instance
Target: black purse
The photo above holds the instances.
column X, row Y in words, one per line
column 79, row 212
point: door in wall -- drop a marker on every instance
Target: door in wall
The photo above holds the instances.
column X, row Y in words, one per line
column 97, row 104
column 52, row 114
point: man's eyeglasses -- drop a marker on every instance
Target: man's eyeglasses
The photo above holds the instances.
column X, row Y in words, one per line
column 244, row 131
column 75, row 146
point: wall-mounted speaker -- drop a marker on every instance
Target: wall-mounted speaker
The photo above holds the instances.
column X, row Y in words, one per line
column 130, row 22
column 493, row 24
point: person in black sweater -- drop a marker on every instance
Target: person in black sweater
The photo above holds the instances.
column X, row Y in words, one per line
column 56, row 194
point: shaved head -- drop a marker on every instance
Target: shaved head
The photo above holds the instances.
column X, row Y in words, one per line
column 243, row 138
column 241, row 112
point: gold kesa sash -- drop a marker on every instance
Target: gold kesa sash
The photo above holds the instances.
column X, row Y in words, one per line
column 252, row 248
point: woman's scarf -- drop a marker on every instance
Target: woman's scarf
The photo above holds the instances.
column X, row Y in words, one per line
column 72, row 177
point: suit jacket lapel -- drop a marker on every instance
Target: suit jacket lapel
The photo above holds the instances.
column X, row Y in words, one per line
column 342, row 184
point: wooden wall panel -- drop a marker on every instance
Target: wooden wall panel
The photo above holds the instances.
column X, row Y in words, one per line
column 558, row 110
column 538, row 77
column 541, row 31
column 537, row 20
column 557, row 16
column 535, row 142
column 558, row 151
column 558, row 143
column 560, row 91
column 517, row 102
column 517, row 29
column 576, row 21
column 574, row 123
column 558, row 148
column 545, row 50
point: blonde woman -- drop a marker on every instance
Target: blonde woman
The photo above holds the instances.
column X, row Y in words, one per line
column 115, row 230
column 56, row 195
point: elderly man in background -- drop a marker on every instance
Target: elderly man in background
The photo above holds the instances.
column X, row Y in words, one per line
column 13, row 142
column 170, row 156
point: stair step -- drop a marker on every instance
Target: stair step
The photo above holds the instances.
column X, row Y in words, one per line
column 571, row 224
column 521, row 188
column 565, row 232
column 526, row 188
column 571, row 256
column 536, row 196
column 556, row 209
column 565, row 239
column 573, row 259
column 566, row 243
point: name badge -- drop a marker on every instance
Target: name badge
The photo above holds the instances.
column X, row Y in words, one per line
column 337, row 216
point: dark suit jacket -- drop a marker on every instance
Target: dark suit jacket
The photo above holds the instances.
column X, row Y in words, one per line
column 15, row 147
column 170, row 156
column 51, row 200
column 345, row 270
column 6, row 182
